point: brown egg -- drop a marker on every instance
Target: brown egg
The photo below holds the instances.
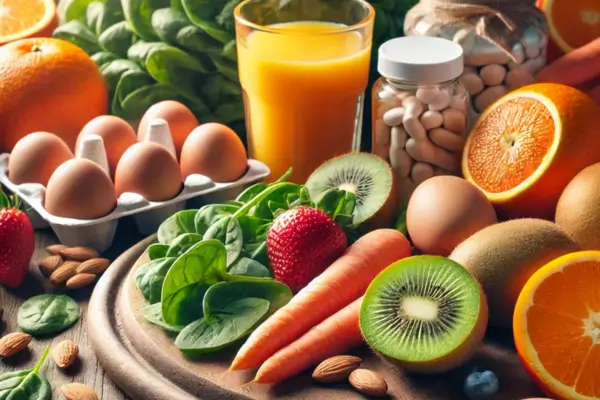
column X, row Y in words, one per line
column 35, row 157
column 216, row 151
column 445, row 210
column 116, row 133
column 180, row 119
column 80, row 189
column 148, row 169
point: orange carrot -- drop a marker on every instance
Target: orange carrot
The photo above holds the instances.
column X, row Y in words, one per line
column 343, row 282
column 336, row 335
column 574, row 68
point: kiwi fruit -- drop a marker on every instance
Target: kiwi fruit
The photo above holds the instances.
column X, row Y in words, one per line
column 577, row 211
column 424, row 314
column 503, row 256
column 366, row 175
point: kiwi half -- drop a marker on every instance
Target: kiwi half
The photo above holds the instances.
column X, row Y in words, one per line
column 366, row 175
column 425, row 314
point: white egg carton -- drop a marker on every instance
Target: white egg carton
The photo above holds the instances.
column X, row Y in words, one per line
column 148, row 215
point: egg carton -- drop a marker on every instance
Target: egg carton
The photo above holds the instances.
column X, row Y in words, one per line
column 148, row 215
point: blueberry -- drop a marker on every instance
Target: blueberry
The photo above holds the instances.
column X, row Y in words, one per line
column 481, row 385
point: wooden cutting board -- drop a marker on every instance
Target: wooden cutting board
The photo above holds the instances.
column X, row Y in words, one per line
column 142, row 359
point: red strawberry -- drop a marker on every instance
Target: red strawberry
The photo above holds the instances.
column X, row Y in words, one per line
column 302, row 243
column 17, row 242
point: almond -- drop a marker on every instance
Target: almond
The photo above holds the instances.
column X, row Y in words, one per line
column 65, row 353
column 368, row 382
column 49, row 264
column 64, row 272
column 14, row 343
column 55, row 249
column 335, row 369
column 80, row 280
column 78, row 391
column 78, row 253
column 93, row 266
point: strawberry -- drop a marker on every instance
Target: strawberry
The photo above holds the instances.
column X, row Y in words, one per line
column 302, row 243
column 17, row 242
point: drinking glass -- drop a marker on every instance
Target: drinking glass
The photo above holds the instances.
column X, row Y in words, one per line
column 304, row 68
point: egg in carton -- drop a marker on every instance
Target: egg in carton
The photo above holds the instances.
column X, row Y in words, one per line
column 148, row 214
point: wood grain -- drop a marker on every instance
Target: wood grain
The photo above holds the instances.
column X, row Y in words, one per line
column 86, row 369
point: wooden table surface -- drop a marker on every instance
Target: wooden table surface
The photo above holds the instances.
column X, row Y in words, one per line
column 87, row 370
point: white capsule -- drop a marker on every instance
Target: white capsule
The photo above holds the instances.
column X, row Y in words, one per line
column 488, row 96
column 534, row 65
column 485, row 53
column 414, row 128
column 532, row 42
column 472, row 82
column 426, row 151
column 400, row 162
column 445, row 139
column 460, row 103
column 442, row 102
column 492, row 74
column 398, row 137
column 381, row 139
column 421, row 172
column 518, row 53
column 518, row 77
column 394, row 116
column 431, row 119
column 466, row 39
column 427, row 95
column 455, row 121
column 413, row 106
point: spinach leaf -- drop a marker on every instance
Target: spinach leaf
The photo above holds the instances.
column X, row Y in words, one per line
column 128, row 83
column 113, row 71
column 203, row 13
column 201, row 266
column 102, row 14
column 211, row 334
column 248, row 267
column 257, row 251
column 150, row 277
column 77, row 33
column 177, row 224
column 253, row 228
column 117, row 39
column 228, row 231
column 157, row 250
column 220, row 295
column 139, row 15
column 153, row 314
column 211, row 213
column 251, row 192
column 69, row 10
column 103, row 57
column 182, row 243
column 26, row 385
column 47, row 313
column 137, row 102
column 275, row 194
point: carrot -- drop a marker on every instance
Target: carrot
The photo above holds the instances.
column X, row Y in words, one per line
column 574, row 68
column 336, row 335
column 343, row 282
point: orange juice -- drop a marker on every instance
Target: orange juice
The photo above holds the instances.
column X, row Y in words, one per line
column 301, row 91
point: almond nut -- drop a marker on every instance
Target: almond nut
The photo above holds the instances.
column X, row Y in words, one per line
column 64, row 272
column 80, row 280
column 93, row 266
column 49, row 264
column 335, row 369
column 55, row 249
column 78, row 391
column 65, row 353
column 14, row 343
column 78, row 253
column 368, row 382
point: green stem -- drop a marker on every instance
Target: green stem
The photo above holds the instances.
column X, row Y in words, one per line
column 262, row 195
column 41, row 360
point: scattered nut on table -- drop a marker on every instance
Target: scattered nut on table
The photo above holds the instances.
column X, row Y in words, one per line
column 368, row 382
column 14, row 343
column 65, row 353
column 336, row 369
column 78, row 253
column 50, row 264
column 78, row 391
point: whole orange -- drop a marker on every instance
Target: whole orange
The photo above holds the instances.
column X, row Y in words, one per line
column 47, row 85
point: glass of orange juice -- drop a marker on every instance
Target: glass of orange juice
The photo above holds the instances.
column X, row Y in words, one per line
column 303, row 67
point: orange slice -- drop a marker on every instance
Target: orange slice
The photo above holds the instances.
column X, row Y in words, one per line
column 556, row 326
column 527, row 146
column 572, row 23
column 21, row 19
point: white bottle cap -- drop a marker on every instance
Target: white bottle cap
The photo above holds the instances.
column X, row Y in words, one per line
column 420, row 59
column 91, row 147
column 159, row 132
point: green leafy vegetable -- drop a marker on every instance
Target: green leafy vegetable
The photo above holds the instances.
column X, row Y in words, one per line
column 139, row 15
column 228, row 231
column 177, row 224
column 26, row 385
column 47, row 313
column 153, row 314
column 224, row 293
column 248, row 267
column 77, row 33
column 150, row 277
column 218, row 331
column 182, row 243
column 117, row 39
column 157, row 250
column 103, row 57
column 211, row 213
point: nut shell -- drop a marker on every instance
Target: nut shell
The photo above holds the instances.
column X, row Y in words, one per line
column 335, row 369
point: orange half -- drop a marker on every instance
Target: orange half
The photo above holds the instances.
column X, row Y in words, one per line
column 556, row 326
column 528, row 145
column 21, row 19
column 572, row 23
